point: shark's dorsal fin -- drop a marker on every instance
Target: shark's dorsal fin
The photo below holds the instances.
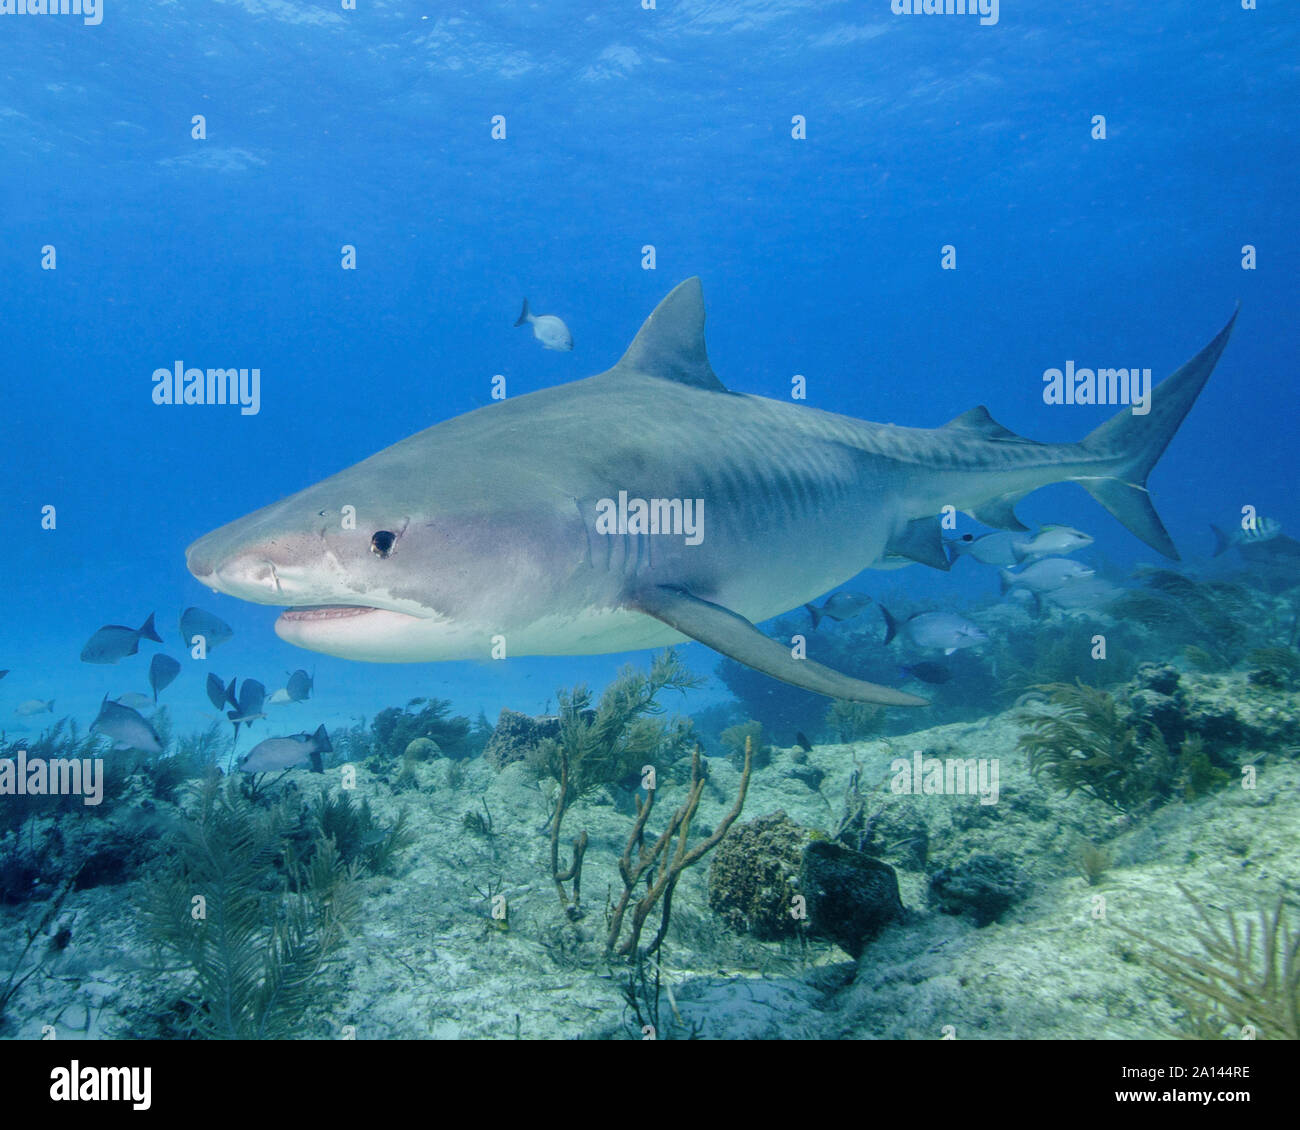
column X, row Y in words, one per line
column 671, row 342
column 979, row 420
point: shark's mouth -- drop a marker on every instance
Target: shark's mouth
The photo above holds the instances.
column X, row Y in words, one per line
column 327, row 612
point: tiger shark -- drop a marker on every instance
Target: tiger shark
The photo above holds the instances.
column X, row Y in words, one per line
column 554, row 523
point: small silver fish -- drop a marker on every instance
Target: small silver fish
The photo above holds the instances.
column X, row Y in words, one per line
column 34, row 706
column 126, row 727
column 114, row 642
column 279, row 698
column 548, row 329
column 275, row 754
column 1046, row 575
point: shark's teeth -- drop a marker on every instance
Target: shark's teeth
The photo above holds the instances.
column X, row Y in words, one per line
column 326, row 612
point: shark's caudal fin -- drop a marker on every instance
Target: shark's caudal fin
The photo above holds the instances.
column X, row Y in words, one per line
column 1136, row 442
column 523, row 315
column 1222, row 543
column 734, row 636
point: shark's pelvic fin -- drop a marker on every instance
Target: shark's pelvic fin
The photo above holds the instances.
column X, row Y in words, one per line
column 920, row 540
column 671, row 342
column 1000, row 513
column 1136, row 442
column 732, row 635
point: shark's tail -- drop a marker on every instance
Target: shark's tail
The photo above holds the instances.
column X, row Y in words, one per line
column 1136, row 442
column 523, row 316
column 815, row 613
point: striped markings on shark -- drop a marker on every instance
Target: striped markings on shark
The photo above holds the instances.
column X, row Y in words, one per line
column 800, row 500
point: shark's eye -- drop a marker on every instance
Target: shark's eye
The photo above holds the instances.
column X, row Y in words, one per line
column 381, row 545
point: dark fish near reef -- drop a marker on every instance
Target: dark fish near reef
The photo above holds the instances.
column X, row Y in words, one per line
column 1264, row 530
column 839, row 606
column 115, row 642
column 196, row 622
column 252, row 697
column 928, row 672
column 299, row 686
column 802, row 742
column 217, row 694
column 275, row 754
column 933, row 631
column 795, row 502
column 126, row 727
column 163, row 670
column 34, row 706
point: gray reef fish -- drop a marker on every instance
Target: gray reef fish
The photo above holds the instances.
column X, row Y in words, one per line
column 218, row 695
column 299, row 686
column 933, row 631
column 196, row 622
column 115, row 642
column 252, row 697
column 1046, row 576
column 839, row 606
column 547, row 328
column 275, row 754
column 34, row 706
column 137, row 701
column 1010, row 548
column 503, row 522
column 126, row 727
column 1264, row 530
column 163, row 670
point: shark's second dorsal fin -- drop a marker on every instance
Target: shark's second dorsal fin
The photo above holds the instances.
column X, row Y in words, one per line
column 979, row 420
column 671, row 342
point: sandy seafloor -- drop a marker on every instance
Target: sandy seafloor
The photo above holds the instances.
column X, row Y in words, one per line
column 426, row 962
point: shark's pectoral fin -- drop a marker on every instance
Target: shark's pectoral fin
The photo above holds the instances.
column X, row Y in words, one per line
column 734, row 636
column 922, row 541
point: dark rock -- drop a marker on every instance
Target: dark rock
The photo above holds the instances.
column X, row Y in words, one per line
column 1158, row 677
column 984, row 887
column 1161, row 711
column 515, row 736
column 810, row 775
column 851, row 896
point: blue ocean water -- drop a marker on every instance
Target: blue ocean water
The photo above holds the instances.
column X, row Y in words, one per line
column 625, row 128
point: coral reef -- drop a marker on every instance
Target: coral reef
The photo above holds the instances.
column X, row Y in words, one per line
column 754, row 876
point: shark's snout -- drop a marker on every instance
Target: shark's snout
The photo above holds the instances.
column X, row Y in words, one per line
column 249, row 573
